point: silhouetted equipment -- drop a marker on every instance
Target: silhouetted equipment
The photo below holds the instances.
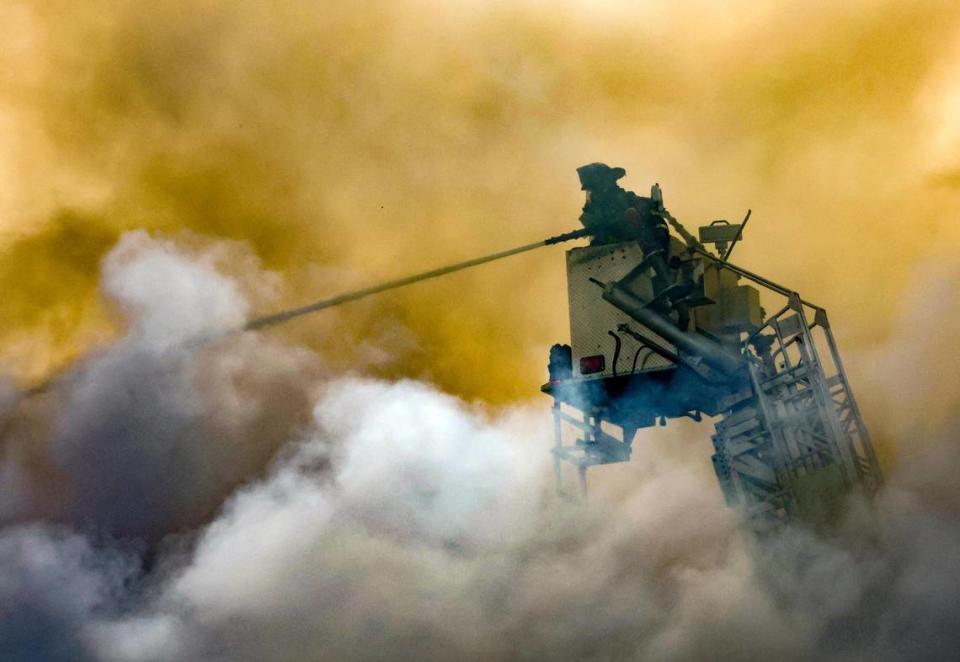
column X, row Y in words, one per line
column 662, row 328
column 665, row 329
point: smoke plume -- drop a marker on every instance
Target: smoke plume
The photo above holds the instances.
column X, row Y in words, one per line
column 395, row 521
column 374, row 483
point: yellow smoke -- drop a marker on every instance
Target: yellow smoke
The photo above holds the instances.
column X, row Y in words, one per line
column 352, row 142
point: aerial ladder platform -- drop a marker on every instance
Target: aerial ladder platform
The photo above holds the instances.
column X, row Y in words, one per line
column 663, row 328
column 789, row 441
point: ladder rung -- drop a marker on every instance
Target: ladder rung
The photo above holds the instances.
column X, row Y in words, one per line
column 836, row 379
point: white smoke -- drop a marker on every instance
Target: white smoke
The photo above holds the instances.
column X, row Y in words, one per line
column 429, row 538
column 154, row 430
column 170, row 297
column 421, row 489
column 53, row 582
column 398, row 522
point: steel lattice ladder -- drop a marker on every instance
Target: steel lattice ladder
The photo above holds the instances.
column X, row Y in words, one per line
column 794, row 443
column 789, row 445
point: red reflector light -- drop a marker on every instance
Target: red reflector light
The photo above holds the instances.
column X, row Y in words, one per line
column 591, row 364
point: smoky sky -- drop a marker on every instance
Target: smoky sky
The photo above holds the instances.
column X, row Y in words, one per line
column 373, row 483
column 348, row 144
